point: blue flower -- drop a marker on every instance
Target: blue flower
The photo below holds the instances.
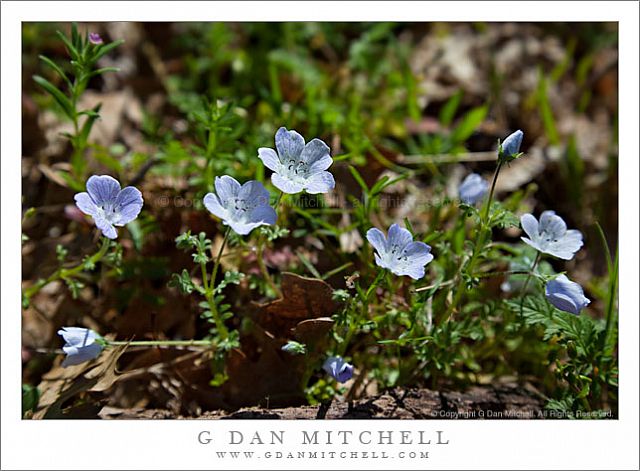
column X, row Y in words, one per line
column 80, row 345
column 243, row 208
column 473, row 189
column 511, row 145
column 297, row 166
column 566, row 295
column 108, row 205
column 399, row 253
column 339, row 369
column 550, row 235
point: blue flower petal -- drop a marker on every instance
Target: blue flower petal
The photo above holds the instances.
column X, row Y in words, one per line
column 321, row 182
column 285, row 185
column 254, row 193
column 83, row 354
column 263, row 214
column 418, row 252
column 226, row 188
column 269, row 158
column 212, row 203
column 566, row 247
column 289, row 144
column 398, row 236
column 377, row 239
column 414, row 271
column 130, row 202
column 107, row 228
column 529, row 224
column 566, row 295
column 80, row 345
column 552, row 224
column 472, row 189
column 339, row 369
column 512, row 143
column 316, row 150
column 85, row 203
column 103, row 189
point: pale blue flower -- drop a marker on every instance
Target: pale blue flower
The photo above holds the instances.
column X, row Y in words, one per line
column 108, row 205
column 473, row 189
column 550, row 235
column 80, row 345
column 243, row 208
column 566, row 295
column 296, row 166
column 399, row 253
column 511, row 145
column 338, row 369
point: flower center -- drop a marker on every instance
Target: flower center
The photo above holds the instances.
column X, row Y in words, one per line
column 109, row 212
column 549, row 236
column 296, row 169
column 396, row 254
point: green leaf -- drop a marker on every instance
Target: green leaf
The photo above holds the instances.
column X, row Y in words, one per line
column 71, row 49
column 359, row 179
column 57, row 69
column 449, row 109
column 469, row 124
column 60, row 97
column 182, row 281
column 106, row 48
column 92, row 116
column 30, row 398
column 103, row 71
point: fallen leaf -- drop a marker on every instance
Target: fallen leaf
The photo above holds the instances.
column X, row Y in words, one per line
column 61, row 384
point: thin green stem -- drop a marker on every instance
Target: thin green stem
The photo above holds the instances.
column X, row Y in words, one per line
column 159, row 343
column 216, row 264
column 526, row 282
column 66, row 273
column 353, row 325
column 485, row 219
column 260, row 254
column 211, row 287
column 264, row 270
column 478, row 246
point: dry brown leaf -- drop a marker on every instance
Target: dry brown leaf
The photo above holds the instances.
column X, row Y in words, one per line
column 61, row 384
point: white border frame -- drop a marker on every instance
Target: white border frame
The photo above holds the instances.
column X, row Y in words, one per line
column 173, row 445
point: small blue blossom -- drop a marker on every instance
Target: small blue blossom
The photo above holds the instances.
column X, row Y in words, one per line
column 94, row 38
column 80, row 345
column 296, row 166
column 108, row 205
column 473, row 189
column 399, row 253
column 243, row 208
column 566, row 295
column 338, row 369
column 511, row 145
column 550, row 235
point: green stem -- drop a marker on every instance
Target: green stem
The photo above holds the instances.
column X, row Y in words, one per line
column 613, row 285
column 485, row 219
column 526, row 282
column 216, row 265
column 168, row 343
column 65, row 273
column 353, row 326
column 260, row 255
column 210, row 289
column 479, row 245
